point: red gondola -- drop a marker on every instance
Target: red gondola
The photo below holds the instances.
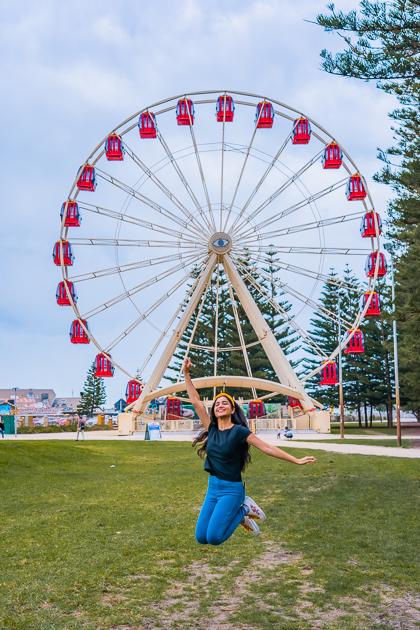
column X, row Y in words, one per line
column 68, row 256
column 301, row 131
column 355, row 189
column 133, row 391
column 221, row 114
column 367, row 225
column 87, row 178
column 328, row 374
column 173, row 408
column 61, row 294
column 77, row 332
column 185, row 111
column 73, row 218
column 147, row 125
column 374, row 308
column 356, row 344
column 333, row 156
column 265, row 121
column 103, row 366
column 114, row 148
column 255, row 409
column 293, row 402
column 370, row 265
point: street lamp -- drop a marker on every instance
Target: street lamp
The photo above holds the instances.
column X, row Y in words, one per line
column 14, row 389
column 339, row 295
column 389, row 248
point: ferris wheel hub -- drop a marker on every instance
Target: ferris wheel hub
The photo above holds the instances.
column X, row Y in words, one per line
column 220, row 243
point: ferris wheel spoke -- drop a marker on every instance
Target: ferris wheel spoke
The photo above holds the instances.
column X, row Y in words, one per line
column 285, row 287
column 303, row 227
column 134, row 220
column 164, row 189
column 121, row 242
column 270, row 167
column 200, row 168
column 148, row 202
column 283, row 249
column 243, row 168
column 140, row 287
column 149, row 311
column 278, row 192
column 183, row 179
column 307, row 272
column 240, row 333
column 279, row 215
column 223, row 162
column 131, row 266
column 290, row 321
column 216, row 325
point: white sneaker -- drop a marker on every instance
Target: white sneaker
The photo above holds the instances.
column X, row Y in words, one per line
column 253, row 510
column 250, row 525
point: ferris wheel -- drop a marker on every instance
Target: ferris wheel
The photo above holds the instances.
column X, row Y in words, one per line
column 182, row 191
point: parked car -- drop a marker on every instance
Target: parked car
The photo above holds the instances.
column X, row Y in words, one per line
column 62, row 422
column 38, row 422
column 91, row 421
column 52, row 422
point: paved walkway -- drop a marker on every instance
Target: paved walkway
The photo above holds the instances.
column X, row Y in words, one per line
column 270, row 438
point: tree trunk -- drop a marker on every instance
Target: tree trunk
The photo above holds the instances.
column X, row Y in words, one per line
column 366, row 415
column 371, row 416
column 359, row 414
column 387, row 377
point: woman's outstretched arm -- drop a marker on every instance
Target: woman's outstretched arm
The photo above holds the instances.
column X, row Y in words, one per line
column 194, row 396
column 273, row 451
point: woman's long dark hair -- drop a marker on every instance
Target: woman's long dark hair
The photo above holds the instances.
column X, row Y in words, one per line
column 238, row 417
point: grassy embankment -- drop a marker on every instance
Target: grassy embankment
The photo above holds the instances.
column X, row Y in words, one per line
column 87, row 545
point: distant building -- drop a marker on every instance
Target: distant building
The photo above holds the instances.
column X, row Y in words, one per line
column 29, row 398
column 120, row 405
column 67, row 404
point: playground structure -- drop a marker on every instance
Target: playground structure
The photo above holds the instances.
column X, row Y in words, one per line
column 232, row 233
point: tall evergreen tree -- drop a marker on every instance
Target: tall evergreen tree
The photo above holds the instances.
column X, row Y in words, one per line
column 387, row 49
column 93, row 394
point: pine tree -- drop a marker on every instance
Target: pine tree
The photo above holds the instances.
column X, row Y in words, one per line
column 387, row 46
column 93, row 394
column 387, row 49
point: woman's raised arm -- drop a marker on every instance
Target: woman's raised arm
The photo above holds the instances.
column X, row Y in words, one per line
column 273, row 451
column 194, row 396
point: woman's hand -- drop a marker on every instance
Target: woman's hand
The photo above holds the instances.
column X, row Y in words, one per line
column 306, row 460
column 187, row 366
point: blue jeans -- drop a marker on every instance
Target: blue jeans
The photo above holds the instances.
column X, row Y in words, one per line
column 222, row 511
column 2, row 433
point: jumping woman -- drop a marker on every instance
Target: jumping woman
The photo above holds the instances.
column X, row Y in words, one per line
column 225, row 443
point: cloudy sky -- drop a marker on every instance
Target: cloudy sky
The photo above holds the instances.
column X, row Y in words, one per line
column 72, row 71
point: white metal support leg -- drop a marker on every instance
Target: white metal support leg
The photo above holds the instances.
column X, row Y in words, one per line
column 173, row 342
column 272, row 349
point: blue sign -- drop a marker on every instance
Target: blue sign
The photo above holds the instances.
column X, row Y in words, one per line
column 153, row 428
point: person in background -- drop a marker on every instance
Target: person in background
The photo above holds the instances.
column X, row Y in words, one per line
column 1, row 427
column 81, row 427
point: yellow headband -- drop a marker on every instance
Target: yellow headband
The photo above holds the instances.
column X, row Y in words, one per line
column 227, row 396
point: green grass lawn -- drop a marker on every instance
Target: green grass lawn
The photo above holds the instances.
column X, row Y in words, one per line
column 84, row 545
column 352, row 428
column 372, row 442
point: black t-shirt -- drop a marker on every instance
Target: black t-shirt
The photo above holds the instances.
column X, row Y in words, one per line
column 224, row 452
column 2, row 425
